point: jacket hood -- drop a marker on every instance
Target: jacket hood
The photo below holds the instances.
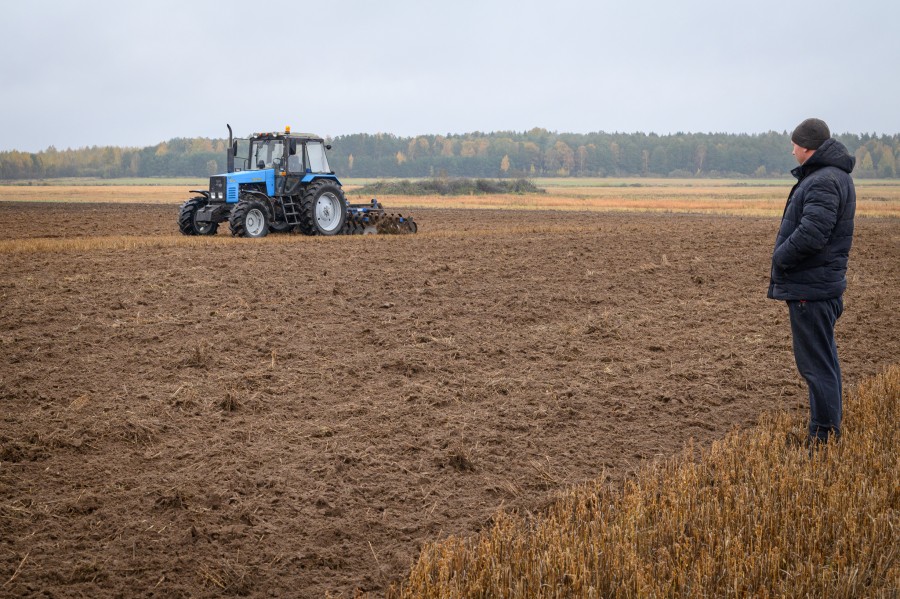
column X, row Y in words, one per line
column 830, row 153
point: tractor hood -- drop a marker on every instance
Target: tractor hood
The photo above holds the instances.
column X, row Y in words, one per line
column 230, row 183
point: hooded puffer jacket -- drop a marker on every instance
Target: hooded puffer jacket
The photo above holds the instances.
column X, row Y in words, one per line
column 813, row 243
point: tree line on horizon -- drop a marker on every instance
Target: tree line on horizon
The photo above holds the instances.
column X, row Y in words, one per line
column 534, row 153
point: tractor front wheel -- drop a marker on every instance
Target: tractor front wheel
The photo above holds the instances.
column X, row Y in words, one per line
column 187, row 218
column 250, row 218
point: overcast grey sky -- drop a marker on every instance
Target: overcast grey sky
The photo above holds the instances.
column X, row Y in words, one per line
column 113, row 72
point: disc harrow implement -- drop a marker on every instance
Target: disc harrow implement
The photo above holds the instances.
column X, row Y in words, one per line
column 371, row 219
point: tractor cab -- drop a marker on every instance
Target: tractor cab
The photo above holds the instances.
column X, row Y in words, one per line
column 287, row 154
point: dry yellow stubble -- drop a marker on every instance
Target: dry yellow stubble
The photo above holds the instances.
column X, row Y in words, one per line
column 754, row 516
column 736, row 199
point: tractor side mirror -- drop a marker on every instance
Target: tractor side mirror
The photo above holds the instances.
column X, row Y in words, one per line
column 327, row 146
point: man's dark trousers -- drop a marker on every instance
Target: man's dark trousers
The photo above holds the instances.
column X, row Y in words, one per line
column 815, row 351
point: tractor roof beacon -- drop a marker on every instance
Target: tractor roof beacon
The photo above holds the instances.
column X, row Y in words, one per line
column 280, row 182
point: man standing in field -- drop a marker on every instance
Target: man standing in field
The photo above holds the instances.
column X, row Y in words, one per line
column 809, row 266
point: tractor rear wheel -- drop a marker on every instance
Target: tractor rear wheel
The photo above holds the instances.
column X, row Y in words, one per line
column 187, row 218
column 250, row 218
column 323, row 209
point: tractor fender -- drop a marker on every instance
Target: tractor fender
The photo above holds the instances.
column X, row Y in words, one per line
column 266, row 200
column 205, row 194
column 312, row 177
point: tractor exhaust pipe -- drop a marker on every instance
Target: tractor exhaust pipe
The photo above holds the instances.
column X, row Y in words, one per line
column 231, row 151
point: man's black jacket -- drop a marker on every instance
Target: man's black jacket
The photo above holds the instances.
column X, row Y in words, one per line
column 813, row 243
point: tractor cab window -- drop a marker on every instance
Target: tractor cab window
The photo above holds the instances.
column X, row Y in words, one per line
column 266, row 154
column 318, row 163
column 241, row 160
column 295, row 157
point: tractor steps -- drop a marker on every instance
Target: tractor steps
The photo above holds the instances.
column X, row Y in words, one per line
column 291, row 210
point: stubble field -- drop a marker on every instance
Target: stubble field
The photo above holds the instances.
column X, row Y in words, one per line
column 296, row 417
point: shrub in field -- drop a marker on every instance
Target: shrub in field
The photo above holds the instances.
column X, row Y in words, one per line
column 450, row 187
column 754, row 516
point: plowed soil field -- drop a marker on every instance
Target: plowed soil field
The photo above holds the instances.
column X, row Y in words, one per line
column 294, row 417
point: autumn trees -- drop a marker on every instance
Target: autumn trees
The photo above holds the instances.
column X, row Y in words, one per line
column 539, row 152
column 504, row 154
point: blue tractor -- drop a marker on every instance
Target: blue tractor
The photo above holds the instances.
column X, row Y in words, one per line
column 280, row 182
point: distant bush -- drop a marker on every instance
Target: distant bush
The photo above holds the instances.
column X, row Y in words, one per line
column 450, row 187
